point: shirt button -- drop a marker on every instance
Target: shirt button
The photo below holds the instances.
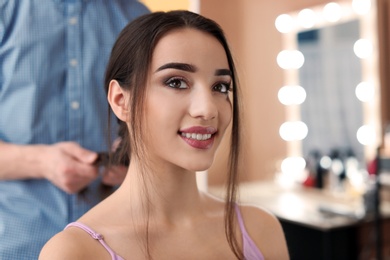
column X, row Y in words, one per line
column 75, row 105
column 73, row 20
column 73, row 62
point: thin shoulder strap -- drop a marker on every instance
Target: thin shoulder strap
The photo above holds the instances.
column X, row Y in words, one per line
column 241, row 223
column 251, row 251
column 96, row 236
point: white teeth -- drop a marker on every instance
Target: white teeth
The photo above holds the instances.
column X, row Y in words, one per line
column 195, row 136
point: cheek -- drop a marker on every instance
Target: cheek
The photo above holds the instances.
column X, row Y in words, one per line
column 162, row 118
column 225, row 115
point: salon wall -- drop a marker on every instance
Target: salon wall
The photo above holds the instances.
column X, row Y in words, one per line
column 384, row 57
column 158, row 5
column 249, row 25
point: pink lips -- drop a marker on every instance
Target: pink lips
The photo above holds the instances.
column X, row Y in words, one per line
column 199, row 137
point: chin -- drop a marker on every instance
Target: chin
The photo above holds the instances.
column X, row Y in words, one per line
column 199, row 167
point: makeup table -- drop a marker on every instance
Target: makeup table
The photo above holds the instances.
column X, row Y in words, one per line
column 318, row 224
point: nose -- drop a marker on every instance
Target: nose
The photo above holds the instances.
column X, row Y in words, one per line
column 203, row 104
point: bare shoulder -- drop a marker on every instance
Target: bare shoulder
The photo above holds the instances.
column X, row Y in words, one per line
column 266, row 231
column 72, row 243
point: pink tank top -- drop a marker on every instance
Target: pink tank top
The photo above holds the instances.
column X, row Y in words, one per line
column 251, row 251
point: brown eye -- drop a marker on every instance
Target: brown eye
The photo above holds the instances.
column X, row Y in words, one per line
column 222, row 88
column 176, row 83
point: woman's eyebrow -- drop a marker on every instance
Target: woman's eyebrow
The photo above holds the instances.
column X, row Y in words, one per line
column 191, row 68
column 223, row 72
column 178, row 66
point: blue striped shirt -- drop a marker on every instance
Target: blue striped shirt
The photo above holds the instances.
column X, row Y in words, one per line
column 53, row 55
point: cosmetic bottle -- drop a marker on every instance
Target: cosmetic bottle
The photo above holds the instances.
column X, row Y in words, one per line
column 337, row 172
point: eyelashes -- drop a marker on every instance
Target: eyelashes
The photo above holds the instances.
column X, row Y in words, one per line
column 181, row 83
column 177, row 83
column 223, row 87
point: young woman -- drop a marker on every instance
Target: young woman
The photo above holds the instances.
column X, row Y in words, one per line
column 171, row 81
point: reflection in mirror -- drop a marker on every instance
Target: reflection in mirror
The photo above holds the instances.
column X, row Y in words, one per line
column 330, row 75
column 338, row 76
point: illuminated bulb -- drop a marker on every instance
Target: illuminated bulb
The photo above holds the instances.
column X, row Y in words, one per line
column 337, row 167
column 361, row 7
column 307, row 18
column 284, row 23
column 332, row 12
column 363, row 48
column 293, row 131
column 290, row 59
column 294, row 166
column 326, row 162
column 366, row 135
column 365, row 92
column 292, row 95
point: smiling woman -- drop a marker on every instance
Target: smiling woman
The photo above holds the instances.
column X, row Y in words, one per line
column 175, row 92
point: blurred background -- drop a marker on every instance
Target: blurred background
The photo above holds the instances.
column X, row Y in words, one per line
column 315, row 83
column 331, row 111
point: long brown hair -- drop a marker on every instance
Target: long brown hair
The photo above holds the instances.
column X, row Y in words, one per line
column 129, row 64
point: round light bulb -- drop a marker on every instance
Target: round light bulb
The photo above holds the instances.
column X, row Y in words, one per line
column 363, row 48
column 366, row 135
column 326, row 162
column 365, row 91
column 292, row 95
column 284, row 23
column 307, row 18
column 293, row 131
column 361, row 7
column 295, row 167
column 290, row 59
column 332, row 12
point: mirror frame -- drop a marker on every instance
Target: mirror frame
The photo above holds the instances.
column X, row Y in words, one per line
column 370, row 70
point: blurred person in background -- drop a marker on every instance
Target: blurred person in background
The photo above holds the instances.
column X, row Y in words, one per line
column 53, row 114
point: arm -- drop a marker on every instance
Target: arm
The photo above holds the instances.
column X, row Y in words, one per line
column 66, row 165
column 65, row 245
column 73, row 243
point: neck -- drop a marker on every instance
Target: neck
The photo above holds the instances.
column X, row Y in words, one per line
column 171, row 193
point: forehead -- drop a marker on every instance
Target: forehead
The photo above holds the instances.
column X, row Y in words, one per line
column 191, row 46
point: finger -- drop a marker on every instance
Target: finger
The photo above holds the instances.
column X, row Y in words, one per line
column 86, row 171
column 79, row 181
column 114, row 175
column 80, row 153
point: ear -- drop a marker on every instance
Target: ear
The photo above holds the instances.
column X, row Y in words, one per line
column 118, row 99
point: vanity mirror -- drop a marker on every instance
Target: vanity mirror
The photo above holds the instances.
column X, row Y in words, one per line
column 331, row 89
column 330, row 75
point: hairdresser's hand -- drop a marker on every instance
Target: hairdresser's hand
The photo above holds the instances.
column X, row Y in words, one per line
column 69, row 166
column 114, row 175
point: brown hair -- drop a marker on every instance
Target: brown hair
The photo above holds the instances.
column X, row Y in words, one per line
column 129, row 64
